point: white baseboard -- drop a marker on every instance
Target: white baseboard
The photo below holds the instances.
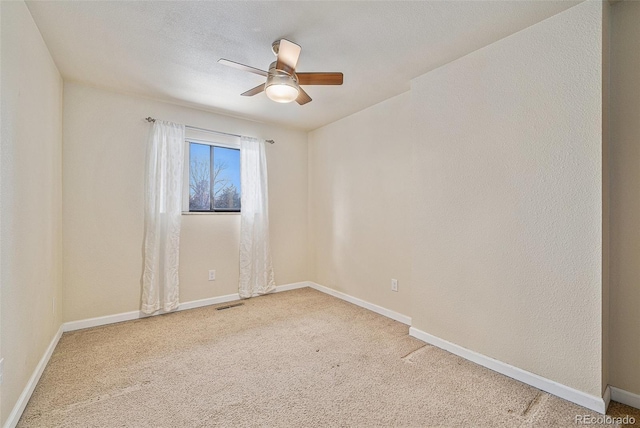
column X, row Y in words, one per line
column 292, row 286
column 362, row 303
column 625, row 397
column 134, row 315
column 15, row 414
column 592, row 402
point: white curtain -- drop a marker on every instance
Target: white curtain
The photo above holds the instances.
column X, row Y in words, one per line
column 163, row 199
column 256, row 268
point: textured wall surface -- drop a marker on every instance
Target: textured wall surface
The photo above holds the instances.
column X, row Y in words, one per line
column 105, row 140
column 503, row 252
column 31, row 262
column 507, row 256
column 625, row 197
column 360, row 204
column 606, row 190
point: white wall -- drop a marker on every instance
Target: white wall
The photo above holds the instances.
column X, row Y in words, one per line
column 507, row 256
column 625, row 197
column 31, row 189
column 503, row 252
column 606, row 194
column 360, row 204
column 105, row 140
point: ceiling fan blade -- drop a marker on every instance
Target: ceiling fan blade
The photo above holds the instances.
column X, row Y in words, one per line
column 288, row 54
column 303, row 97
column 320, row 78
column 243, row 67
column 254, row 91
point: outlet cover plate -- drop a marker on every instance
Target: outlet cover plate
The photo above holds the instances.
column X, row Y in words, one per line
column 212, row 275
column 394, row 285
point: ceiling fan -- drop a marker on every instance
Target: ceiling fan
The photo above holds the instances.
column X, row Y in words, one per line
column 283, row 82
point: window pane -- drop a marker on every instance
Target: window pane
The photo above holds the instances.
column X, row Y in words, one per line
column 226, row 172
column 199, row 177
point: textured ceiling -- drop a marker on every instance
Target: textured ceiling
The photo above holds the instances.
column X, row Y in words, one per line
column 168, row 50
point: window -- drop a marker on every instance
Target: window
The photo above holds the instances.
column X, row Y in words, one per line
column 214, row 178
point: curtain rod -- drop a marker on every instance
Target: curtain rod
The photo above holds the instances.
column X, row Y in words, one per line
column 150, row 120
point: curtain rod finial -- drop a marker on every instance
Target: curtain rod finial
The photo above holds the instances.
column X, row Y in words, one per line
column 149, row 119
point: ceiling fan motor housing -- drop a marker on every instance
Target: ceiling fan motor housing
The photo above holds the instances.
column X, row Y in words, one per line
column 281, row 86
column 283, row 83
column 273, row 71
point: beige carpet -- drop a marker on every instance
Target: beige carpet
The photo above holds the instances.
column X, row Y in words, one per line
column 294, row 359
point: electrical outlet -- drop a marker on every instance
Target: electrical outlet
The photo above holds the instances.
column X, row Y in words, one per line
column 212, row 275
column 394, row 285
column 1, row 370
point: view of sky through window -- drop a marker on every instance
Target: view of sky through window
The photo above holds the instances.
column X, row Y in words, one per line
column 217, row 165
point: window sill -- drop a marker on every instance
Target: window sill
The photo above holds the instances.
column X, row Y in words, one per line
column 209, row 213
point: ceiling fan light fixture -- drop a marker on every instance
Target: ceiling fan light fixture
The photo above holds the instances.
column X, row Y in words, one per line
column 281, row 88
column 283, row 82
